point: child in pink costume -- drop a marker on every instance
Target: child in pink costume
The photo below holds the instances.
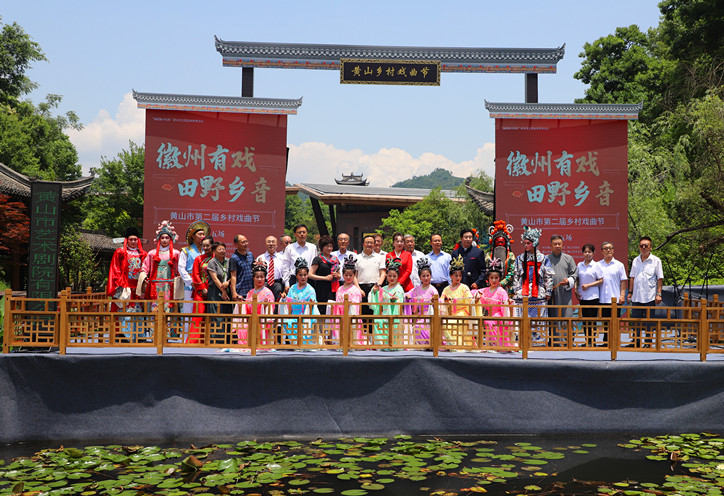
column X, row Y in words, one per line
column 354, row 295
column 491, row 299
column 421, row 299
column 263, row 295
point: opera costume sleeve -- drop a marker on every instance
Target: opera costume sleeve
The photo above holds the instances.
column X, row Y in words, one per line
column 116, row 275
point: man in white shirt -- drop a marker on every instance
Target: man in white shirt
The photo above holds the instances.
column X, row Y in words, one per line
column 274, row 261
column 300, row 248
column 615, row 281
column 646, row 281
column 370, row 271
column 416, row 255
column 378, row 245
column 343, row 252
column 439, row 264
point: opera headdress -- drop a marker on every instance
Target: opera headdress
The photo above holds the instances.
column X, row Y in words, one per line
column 532, row 235
column 500, row 230
column 457, row 264
column 394, row 264
column 199, row 225
column 166, row 227
column 300, row 263
column 423, row 264
column 495, row 265
column 350, row 263
column 258, row 266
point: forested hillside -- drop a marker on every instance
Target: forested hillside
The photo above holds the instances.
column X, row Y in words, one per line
column 676, row 149
column 439, row 178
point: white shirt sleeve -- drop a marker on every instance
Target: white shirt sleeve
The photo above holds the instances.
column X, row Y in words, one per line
column 182, row 259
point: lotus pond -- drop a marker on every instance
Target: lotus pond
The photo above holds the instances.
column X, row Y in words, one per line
column 686, row 464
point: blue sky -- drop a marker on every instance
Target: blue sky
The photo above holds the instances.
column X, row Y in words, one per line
column 99, row 51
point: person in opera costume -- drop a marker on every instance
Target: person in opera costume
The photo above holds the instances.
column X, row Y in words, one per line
column 123, row 278
column 160, row 266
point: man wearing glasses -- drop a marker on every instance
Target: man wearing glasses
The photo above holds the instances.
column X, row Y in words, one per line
column 646, row 280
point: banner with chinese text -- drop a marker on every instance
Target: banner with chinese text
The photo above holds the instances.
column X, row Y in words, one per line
column 566, row 177
column 43, row 248
column 227, row 169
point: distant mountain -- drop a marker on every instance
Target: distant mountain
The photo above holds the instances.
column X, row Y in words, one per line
column 438, row 178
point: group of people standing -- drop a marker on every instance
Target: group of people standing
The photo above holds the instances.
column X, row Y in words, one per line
column 318, row 278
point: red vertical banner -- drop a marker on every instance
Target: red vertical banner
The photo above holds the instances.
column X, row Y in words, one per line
column 566, row 177
column 227, row 169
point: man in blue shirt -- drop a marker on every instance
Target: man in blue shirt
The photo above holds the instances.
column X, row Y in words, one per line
column 240, row 268
column 439, row 264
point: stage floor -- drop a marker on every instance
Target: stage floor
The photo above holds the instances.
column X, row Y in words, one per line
column 122, row 395
column 532, row 355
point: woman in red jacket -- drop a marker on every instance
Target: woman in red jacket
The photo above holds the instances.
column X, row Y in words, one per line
column 398, row 251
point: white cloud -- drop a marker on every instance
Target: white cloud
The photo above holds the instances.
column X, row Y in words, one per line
column 310, row 162
column 314, row 162
column 107, row 135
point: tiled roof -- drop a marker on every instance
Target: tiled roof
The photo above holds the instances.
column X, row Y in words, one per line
column 247, row 105
column 13, row 183
column 453, row 59
column 98, row 241
column 483, row 199
column 336, row 194
column 564, row 110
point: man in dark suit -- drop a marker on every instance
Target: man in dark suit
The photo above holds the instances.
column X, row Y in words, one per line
column 474, row 274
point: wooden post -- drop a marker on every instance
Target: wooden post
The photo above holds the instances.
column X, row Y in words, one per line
column 525, row 333
column 7, row 324
column 62, row 330
column 207, row 325
column 703, row 338
column 159, row 332
column 531, row 87
column 436, row 326
column 89, row 291
column 614, row 337
column 252, row 333
column 345, row 328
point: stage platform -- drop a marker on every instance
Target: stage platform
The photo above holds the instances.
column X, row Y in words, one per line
column 122, row 396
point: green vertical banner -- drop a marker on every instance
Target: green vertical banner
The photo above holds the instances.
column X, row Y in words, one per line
column 45, row 202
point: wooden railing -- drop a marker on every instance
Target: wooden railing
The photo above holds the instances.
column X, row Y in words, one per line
column 94, row 321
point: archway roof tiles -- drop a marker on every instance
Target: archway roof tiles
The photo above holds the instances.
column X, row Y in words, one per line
column 323, row 56
column 603, row 111
column 206, row 103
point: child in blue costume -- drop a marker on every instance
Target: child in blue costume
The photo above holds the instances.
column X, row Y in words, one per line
column 301, row 292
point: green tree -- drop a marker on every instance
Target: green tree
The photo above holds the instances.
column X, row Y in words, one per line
column 478, row 180
column 76, row 262
column 693, row 28
column 14, row 231
column 115, row 202
column 298, row 210
column 17, row 52
column 625, row 67
column 31, row 138
column 436, row 213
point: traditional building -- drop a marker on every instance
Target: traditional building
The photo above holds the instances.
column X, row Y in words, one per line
column 359, row 210
column 17, row 186
column 352, row 180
